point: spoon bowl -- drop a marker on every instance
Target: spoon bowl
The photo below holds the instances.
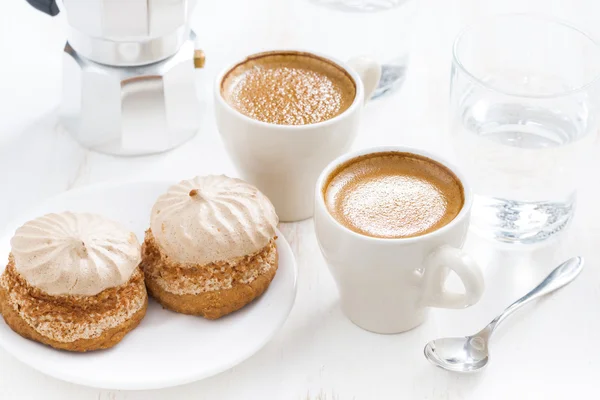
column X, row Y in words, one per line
column 458, row 354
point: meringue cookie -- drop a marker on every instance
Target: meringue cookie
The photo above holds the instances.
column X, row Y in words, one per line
column 75, row 254
column 212, row 218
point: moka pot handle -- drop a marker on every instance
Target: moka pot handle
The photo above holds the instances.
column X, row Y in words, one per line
column 47, row 6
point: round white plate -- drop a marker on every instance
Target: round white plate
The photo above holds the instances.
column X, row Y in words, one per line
column 167, row 348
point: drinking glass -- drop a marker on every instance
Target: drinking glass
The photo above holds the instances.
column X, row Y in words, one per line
column 524, row 115
column 378, row 29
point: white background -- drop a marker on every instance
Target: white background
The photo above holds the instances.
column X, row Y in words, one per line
column 549, row 351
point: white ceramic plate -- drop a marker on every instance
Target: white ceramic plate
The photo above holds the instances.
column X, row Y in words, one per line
column 167, row 348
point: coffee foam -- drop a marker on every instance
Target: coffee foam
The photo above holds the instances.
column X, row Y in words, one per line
column 288, row 88
column 393, row 195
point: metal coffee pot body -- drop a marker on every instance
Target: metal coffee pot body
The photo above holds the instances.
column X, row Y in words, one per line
column 128, row 73
column 124, row 33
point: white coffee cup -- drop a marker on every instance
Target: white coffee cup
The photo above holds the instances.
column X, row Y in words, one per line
column 284, row 161
column 387, row 285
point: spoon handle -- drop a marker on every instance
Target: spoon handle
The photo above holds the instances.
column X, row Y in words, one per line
column 562, row 275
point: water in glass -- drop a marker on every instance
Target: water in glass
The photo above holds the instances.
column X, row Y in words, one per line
column 379, row 29
column 521, row 128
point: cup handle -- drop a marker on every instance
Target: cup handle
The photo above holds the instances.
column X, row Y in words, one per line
column 369, row 72
column 434, row 277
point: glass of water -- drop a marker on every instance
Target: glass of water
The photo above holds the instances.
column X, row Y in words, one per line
column 379, row 29
column 525, row 113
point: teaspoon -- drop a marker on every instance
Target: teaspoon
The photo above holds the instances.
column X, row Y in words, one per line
column 470, row 353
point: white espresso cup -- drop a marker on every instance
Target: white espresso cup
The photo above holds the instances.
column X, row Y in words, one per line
column 387, row 285
column 284, row 161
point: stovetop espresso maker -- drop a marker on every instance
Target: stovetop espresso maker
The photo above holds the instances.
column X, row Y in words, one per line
column 128, row 73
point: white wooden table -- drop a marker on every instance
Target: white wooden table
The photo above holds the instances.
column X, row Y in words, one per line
column 549, row 351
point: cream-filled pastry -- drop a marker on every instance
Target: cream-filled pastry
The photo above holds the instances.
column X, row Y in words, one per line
column 73, row 282
column 210, row 249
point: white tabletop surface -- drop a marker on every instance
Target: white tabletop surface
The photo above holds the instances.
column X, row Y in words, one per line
column 548, row 351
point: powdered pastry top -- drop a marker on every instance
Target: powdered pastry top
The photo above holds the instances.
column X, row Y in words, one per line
column 75, row 254
column 212, row 218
